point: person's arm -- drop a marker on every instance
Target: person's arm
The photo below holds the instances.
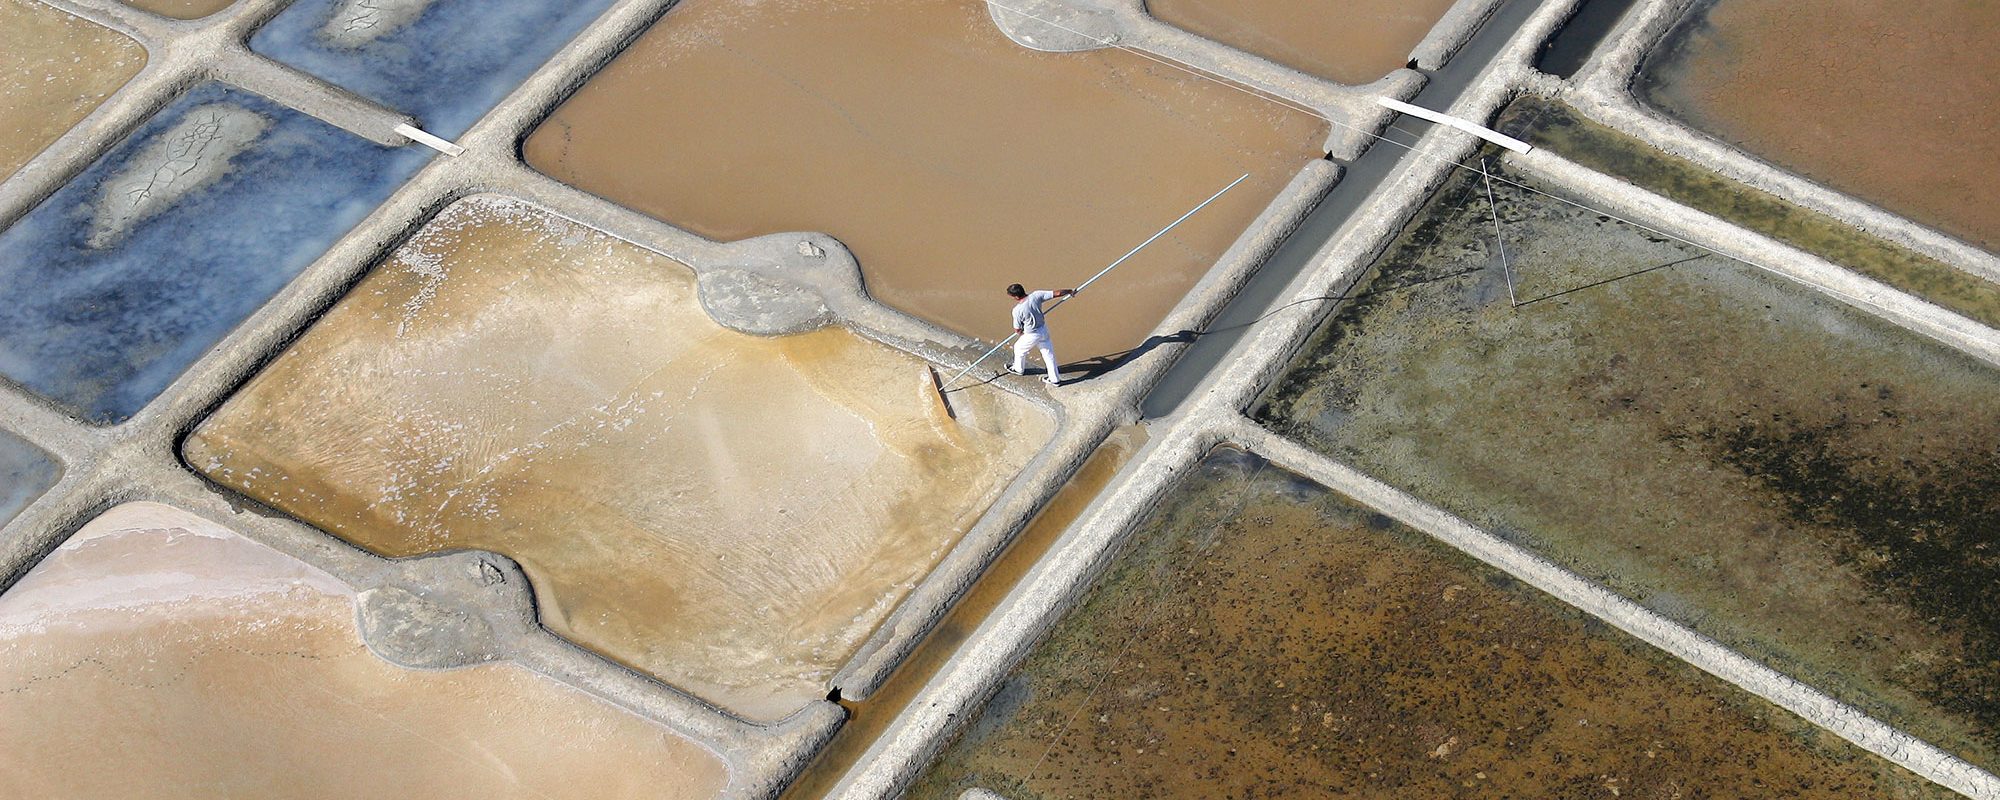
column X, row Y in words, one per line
column 1065, row 292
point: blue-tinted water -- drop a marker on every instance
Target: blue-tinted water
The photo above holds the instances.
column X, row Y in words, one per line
column 25, row 472
column 125, row 276
column 445, row 62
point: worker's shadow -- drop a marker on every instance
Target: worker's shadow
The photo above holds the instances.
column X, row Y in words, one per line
column 1102, row 365
column 1091, row 368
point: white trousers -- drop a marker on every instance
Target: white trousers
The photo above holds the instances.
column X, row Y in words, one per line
column 1036, row 341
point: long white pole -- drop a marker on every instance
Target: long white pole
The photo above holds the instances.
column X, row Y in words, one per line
column 1100, row 274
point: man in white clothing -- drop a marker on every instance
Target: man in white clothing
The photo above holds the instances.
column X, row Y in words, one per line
column 1034, row 330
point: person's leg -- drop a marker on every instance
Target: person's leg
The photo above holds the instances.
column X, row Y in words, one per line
column 1048, row 349
column 1022, row 345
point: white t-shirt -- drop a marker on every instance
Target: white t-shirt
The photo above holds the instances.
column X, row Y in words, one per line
column 1028, row 312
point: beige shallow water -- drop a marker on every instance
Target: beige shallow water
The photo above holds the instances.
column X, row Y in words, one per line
column 159, row 655
column 181, row 9
column 1353, row 42
column 54, row 70
column 730, row 513
column 951, row 161
column 1890, row 101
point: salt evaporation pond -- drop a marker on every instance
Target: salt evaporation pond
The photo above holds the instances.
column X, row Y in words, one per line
column 1803, row 481
column 445, row 63
column 1261, row 636
column 181, row 9
column 874, row 119
column 25, row 473
column 1890, row 102
column 156, row 654
column 134, row 269
column 54, row 70
column 1349, row 42
column 731, row 513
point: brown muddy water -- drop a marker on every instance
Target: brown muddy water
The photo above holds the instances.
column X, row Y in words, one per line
column 867, row 719
column 158, row 655
column 1264, row 637
column 732, row 514
column 1890, row 102
column 951, row 161
column 1560, row 128
column 1802, row 481
column 1354, row 42
column 181, row 9
column 54, row 70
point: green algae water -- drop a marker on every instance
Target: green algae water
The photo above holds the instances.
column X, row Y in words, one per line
column 1800, row 480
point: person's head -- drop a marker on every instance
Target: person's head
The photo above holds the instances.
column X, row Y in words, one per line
column 1015, row 291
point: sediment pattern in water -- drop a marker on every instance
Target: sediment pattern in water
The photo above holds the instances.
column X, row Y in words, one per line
column 1800, row 480
column 156, row 654
column 1890, row 102
column 730, row 513
column 25, row 473
column 445, row 63
column 130, row 272
column 1350, row 42
column 1264, row 637
column 181, row 9
column 54, row 70
column 873, row 119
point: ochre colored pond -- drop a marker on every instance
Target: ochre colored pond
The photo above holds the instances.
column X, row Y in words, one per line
column 1552, row 125
column 54, row 70
column 1263, row 637
column 188, row 9
column 730, row 513
column 1891, row 102
column 950, row 160
column 1805, row 482
column 159, row 655
column 1353, row 42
